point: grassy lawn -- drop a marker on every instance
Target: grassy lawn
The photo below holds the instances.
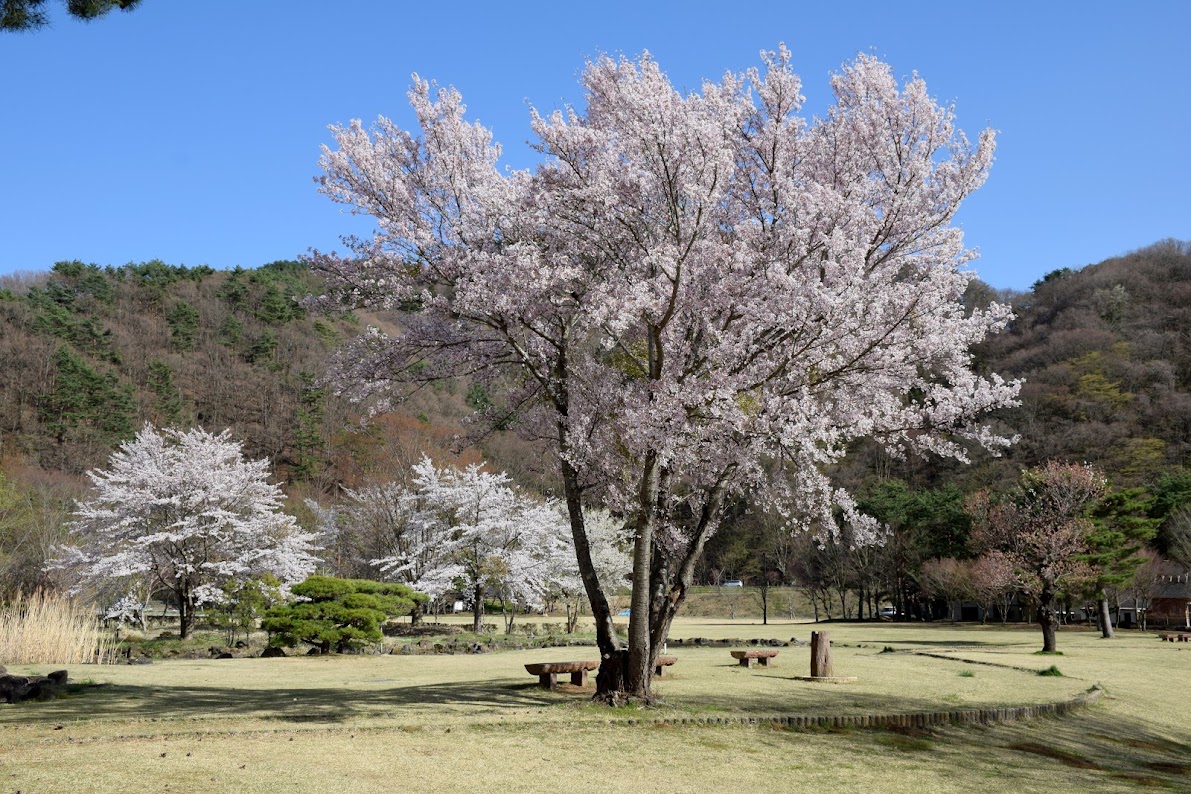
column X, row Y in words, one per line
column 371, row 723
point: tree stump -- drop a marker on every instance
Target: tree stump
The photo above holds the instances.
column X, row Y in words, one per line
column 820, row 655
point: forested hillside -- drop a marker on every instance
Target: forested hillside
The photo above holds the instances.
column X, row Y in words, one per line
column 1106, row 357
column 89, row 354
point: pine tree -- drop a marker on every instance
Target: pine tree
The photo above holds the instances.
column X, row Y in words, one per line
column 85, row 405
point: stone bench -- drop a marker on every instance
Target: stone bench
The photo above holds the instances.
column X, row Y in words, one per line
column 747, row 658
column 662, row 663
column 547, row 672
column 1176, row 637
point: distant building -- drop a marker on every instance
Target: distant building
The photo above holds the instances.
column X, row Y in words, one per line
column 1169, row 604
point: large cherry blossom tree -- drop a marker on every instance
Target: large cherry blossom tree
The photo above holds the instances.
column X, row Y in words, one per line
column 184, row 513
column 695, row 296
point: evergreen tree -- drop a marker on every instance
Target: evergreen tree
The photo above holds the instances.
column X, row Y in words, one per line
column 341, row 613
column 1120, row 530
column 168, row 402
column 183, row 320
column 308, row 435
column 85, row 405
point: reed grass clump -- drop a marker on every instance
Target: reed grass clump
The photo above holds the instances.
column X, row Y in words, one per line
column 49, row 628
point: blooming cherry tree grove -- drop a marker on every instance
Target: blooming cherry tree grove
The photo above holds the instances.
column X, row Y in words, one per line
column 691, row 292
column 184, row 513
column 468, row 527
column 607, row 540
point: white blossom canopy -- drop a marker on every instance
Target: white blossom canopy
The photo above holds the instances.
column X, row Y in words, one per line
column 705, row 283
column 185, row 511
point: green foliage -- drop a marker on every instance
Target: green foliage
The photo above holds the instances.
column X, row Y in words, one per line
column 57, row 313
column 477, row 397
column 246, row 602
column 168, row 402
column 1171, row 491
column 20, row 15
column 263, row 348
column 308, row 435
column 1053, row 276
column 276, row 308
column 85, row 405
column 233, row 291
column 157, row 275
column 84, row 280
column 231, row 330
column 1121, row 529
column 282, row 282
column 1051, row 671
column 183, row 320
column 341, row 613
column 933, row 520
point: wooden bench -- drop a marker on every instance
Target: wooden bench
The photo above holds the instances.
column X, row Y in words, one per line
column 663, row 663
column 1176, row 637
column 547, row 672
column 748, row 657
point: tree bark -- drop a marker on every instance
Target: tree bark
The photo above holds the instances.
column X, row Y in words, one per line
column 185, row 610
column 821, row 655
column 477, row 609
column 640, row 667
column 1048, row 620
column 1105, row 617
column 184, row 619
column 611, row 677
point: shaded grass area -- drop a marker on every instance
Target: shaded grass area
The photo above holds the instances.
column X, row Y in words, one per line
column 435, row 689
column 454, row 722
column 1043, row 756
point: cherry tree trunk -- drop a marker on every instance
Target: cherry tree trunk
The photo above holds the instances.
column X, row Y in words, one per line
column 477, row 610
column 821, row 655
column 185, row 619
column 612, row 680
column 1049, row 621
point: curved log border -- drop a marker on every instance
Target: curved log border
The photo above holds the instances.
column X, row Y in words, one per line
column 917, row 719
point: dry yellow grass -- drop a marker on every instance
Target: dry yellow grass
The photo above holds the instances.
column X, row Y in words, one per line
column 48, row 628
column 456, row 723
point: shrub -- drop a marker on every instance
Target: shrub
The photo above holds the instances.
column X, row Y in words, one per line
column 1052, row 670
column 48, row 628
column 344, row 613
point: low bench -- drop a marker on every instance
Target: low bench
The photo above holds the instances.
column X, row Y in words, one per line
column 547, row 672
column 662, row 663
column 748, row 657
column 1176, row 637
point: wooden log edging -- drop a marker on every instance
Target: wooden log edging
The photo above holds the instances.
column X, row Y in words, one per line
column 961, row 660
column 917, row 719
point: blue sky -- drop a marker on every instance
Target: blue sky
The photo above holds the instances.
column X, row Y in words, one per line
column 190, row 131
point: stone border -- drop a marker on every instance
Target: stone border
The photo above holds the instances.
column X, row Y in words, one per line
column 918, row 719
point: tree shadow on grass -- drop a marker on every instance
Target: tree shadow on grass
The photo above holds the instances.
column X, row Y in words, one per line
column 937, row 643
column 1117, row 753
column 123, row 701
column 810, row 698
